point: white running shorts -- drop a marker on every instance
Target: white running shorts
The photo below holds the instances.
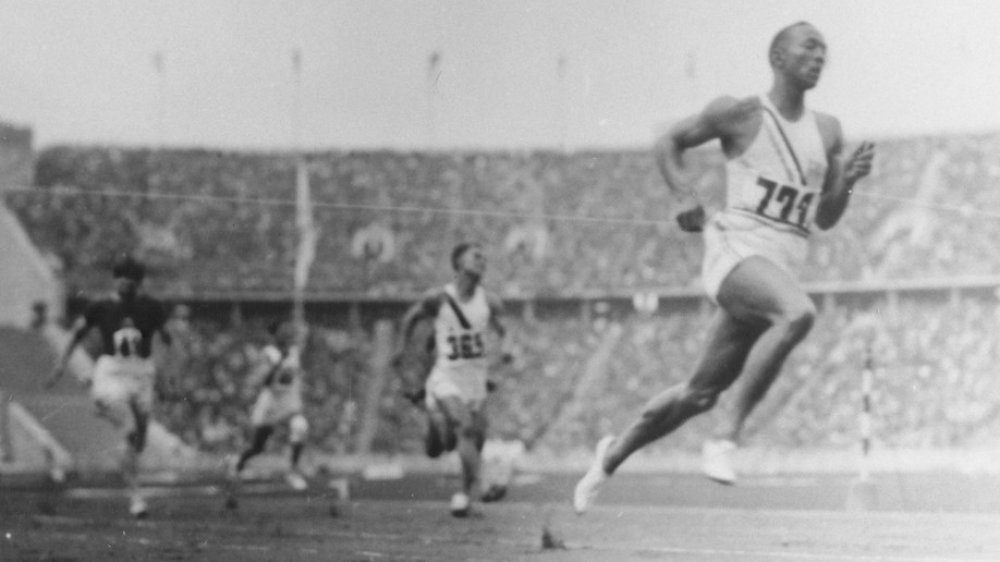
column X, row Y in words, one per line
column 273, row 407
column 120, row 381
column 729, row 240
column 466, row 382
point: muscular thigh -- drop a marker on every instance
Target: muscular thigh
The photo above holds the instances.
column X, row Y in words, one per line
column 460, row 413
column 759, row 292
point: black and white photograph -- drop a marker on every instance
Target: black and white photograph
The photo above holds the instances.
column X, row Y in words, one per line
column 497, row 281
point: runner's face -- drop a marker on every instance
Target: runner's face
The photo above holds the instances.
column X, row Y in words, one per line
column 805, row 56
column 126, row 287
column 474, row 262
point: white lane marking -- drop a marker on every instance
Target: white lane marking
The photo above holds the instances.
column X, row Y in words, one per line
column 150, row 491
column 246, row 489
column 770, row 554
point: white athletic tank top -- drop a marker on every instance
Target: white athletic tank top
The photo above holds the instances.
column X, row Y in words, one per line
column 460, row 329
column 778, row 180
column 288, row 377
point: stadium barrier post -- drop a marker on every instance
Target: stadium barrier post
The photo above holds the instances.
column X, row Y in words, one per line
column 862, row 494
column 865, row 420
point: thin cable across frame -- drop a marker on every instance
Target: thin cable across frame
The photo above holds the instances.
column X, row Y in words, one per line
column 344, row 206
column 965, row 210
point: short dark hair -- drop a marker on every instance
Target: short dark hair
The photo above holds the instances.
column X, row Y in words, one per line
column 129, row 268
column 459, row 251
column 782, row 36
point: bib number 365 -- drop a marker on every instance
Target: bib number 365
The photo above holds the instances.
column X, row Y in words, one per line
column 465, row 346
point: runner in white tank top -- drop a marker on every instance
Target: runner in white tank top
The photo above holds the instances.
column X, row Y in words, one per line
column 785, row 176
column 456, row 389
column 460, row 348
column 773, row 189
column 777, row 180
column 280, row 377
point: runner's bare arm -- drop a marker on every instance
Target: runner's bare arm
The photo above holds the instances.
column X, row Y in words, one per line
column 497, row 323
column 719, row 120
column 496, row 315
column 840, row 176
column 80, row 329
column 427, row 307
column 262, row 374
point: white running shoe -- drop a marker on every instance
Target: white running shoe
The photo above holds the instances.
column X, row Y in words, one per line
column 137, row 507
column 296, row 481
column 460, row 504
column 590, row 485
column 717, row 461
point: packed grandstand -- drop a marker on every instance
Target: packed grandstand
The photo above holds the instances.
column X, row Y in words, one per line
column 571, row 237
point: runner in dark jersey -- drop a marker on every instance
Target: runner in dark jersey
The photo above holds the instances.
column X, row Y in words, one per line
column 124, row 373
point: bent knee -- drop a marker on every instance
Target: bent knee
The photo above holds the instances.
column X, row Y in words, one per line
column 804, row 320
column 799, row 319
column 137, row 440
column 691, row 401
column 701, row 400
column 298, row 429
column 470, row 431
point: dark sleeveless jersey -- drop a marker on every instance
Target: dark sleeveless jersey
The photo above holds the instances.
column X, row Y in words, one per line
column 126, row 327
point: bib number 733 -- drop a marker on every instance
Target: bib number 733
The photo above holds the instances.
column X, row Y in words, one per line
column 784, row 203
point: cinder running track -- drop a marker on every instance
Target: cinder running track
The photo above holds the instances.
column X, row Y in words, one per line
column 926, row 518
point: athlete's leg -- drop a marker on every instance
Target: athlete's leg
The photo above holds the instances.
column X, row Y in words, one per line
column 114, row 411
column 497, row 470
column 263, row 419
column 140, row 427
column 482, row 426
column 135, row 442
column 730, row 341
column 759, row 292
column 298, row 429
column 261, row 434
column 112, row 396
column 467, row 424
column 296, row 453
column 440, row 436
column 474, row 438
column 433, row 445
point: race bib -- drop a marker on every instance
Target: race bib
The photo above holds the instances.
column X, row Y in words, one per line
column 785, row 204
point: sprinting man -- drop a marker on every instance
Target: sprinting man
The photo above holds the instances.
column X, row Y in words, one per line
column 455, row 391
column 785, row 175
column 124, row 375
column 279, row 401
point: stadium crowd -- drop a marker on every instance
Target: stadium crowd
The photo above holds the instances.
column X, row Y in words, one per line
column 211, row 221
column 557, row 225
column 933, row 370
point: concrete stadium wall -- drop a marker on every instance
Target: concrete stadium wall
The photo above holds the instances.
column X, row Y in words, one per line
column 25, row 276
